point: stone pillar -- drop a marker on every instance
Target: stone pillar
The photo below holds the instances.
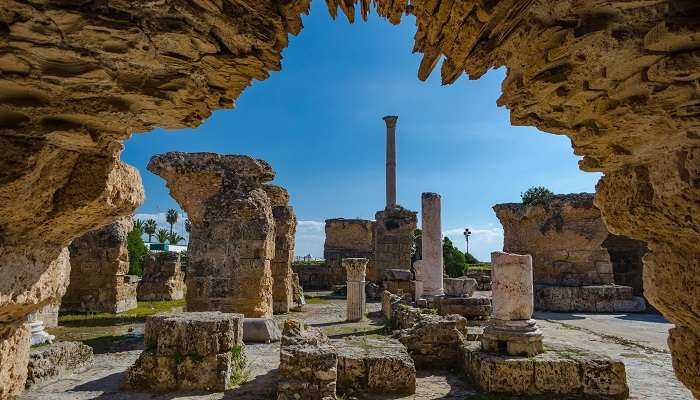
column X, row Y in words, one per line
column 163, row 278
column 512, row 329
column 99, row 262
column 285, row 228
column 36, row 326
column 390, row 121
column 233, row 230
column 356, row 301
column 393, row 239
column 431, row 242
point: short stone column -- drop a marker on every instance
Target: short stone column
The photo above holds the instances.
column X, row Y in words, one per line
column 418, row 283
column 39, row 335
column 512, row 330
column 355, row 269
column 431, row 242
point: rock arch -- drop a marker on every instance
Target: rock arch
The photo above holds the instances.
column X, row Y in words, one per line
column 620, row 78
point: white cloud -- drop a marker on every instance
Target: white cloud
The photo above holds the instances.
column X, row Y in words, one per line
column 309, row 238
column 481, row 242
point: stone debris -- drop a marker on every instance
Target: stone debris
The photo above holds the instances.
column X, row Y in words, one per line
column 50, row 361
column 433, row 341
column 471, row 308
column 554, row 373
column 260, row 330
column 600, row 298
column 397, row 281
column 190, row 351
column 99, row 262
column 380, row 366
column 162, row 278
column 308, row 364
column 483, row 278
column 233, row 229
column 459, row 287
column 281, row 265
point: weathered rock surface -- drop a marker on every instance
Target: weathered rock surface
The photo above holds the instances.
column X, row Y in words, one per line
column 50, row 361
column 260, row 330
column 393, row 238
column 285, row 228
column 374, row 366
column 308, row 364
column 483, row 278
column 233, row 230
column 162, row 278
column 348, row 238
column 626, row 256
column 189, row 351
column 99, row 262
column 618, row 79
column 554, row 373
column 433, row 341
column 459, row 287
column 602, row 298
column 471, row 308
column 320, row 277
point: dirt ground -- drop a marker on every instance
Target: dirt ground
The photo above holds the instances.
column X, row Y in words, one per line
column 637, row 339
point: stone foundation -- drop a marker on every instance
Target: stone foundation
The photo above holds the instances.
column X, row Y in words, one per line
column 393, row 239
column 99, row 262
column 553, row 374
column 162, row 278
column 380, row 366
column 232, row 239
column 308, row 364
column 189, row 351
column 432, row 341
column 603, row 299
column 50, row 361
column 471, row 308
column 459, row 287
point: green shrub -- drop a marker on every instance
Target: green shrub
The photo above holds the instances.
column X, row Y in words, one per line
column 536, row 193
column 137, row 251
column 453, row 259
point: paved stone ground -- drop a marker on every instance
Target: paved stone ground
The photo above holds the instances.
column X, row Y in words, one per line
column 639, row 340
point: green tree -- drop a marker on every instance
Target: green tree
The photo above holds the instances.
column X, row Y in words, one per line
column 137, row 250
column 162, row 235
column 175, row 238
column 139, row 225
column 453, row 259
column 150, row 228
column 188, row 226
column 171, row 217
column 536, row 193
column 470, row 259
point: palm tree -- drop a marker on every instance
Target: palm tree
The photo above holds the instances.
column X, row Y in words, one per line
column 162, row 236
column 175, row 238
column 138, row 225
column 171, row 218
column 150, row 228
column 188, row 226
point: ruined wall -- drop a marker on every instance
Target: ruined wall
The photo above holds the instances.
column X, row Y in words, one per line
column 348, row 238
column 285, row 228
column 99, row 262
column 320, row 277
column 393, row 239
column 564, row 236
column 618, row 78
column 233, row 231
column 162, row 278
column 626, row 256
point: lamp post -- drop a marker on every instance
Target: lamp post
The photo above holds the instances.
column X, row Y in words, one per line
column 467, row 233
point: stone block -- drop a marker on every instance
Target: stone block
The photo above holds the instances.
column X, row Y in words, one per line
column 193, row 332
column 556, row 374
column 162, row 279
column 380, row 366
column 468, row 307
column 604, row 378
column 55, row 359
column 393, row 274
column 432, row 341
column 260, row 330
column 637, row 304
column 459, row 287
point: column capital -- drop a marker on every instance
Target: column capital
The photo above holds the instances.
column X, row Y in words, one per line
column 390, row 120
column 355, row 268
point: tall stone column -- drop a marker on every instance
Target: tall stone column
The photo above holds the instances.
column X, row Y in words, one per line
column 233, row 231
column 512, row 329
column 431, row 242
column 285, row 228
column 390, row 121
column 356, row 301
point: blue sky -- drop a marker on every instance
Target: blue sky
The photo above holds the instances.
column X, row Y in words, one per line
column 318, row 122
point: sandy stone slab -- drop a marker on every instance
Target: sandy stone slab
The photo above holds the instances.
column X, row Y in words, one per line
column 203, row 333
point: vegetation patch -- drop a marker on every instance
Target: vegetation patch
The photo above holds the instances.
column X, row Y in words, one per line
column 310, row 263
column 239, row 368
column 144, row 309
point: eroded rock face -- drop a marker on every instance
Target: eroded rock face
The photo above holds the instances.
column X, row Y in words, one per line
column 163, row 278
column 233, row 230
column 99, row 264
column 348, row 238
column 285, row 228
column 393, row 238
column 563, row 234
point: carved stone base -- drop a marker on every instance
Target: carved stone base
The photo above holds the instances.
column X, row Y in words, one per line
column 516, row 338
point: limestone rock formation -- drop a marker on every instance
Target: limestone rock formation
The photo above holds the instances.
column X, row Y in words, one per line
column 233, row 230
column 162, row 278
column 393, row 238
column 618, row 78
column 50, row 361
column 99, row 262
column 285, row 228
column 348, row 238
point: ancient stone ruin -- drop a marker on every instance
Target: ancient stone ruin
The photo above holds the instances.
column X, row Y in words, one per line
column 232, row 241
column 162, row 278
column 618, row 79
column 356, row 298
column 281, row 265
column 345, row 238
column 431, row 263
column 99, row 262
column 189, row 351
column 572, row 270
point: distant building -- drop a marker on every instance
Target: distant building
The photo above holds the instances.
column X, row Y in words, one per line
column 166, row 247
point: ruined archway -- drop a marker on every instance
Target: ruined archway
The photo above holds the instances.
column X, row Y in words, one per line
column 620, row 78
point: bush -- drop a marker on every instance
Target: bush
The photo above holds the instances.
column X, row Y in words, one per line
column 536, row 193
column 137, row 251
column 453, row 259
column 470, row 259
